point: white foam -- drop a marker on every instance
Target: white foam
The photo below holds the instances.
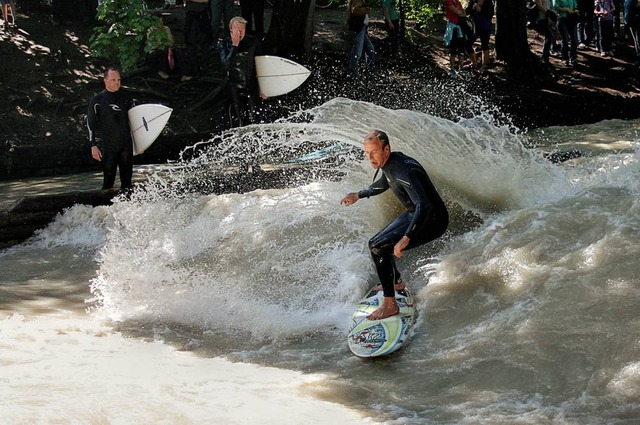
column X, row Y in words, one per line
column 76, row 371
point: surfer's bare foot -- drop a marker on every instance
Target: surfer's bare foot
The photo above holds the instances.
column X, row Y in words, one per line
column 400, row 286
column 388, row 308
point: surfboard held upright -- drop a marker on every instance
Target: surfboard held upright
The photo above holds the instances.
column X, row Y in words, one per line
column 373, row 338
column 278, row 76
column 146, row 123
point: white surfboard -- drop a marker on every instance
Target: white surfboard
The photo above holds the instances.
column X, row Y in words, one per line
column 146, row 123
column 278, row 76
column 374, row 338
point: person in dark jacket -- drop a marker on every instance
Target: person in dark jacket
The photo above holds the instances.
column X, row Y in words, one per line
column 107, row 115
column 426, row 217
column 237, row 53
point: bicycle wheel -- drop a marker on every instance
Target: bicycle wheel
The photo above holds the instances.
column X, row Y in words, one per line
column 323, row 4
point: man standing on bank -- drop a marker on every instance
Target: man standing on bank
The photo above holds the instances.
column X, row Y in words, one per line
column 107, row 114
column 426, row 217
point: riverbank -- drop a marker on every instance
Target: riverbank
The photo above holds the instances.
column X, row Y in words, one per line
column 49, row 77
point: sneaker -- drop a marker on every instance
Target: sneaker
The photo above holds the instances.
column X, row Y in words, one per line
column 186, row 78
column 582, row 46
column 163, row 75
column 610, row 53
column 603, row 54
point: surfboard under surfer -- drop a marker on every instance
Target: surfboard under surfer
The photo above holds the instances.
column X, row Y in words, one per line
column 426, row 217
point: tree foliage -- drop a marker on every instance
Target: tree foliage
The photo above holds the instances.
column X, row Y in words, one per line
column 121, row 32
column 422, row 11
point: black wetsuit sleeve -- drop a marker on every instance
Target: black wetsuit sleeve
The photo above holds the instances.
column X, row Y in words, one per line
column 379, row 186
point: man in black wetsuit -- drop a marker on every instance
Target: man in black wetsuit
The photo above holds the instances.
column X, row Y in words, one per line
column 108, row 114
column 237, row 53
column 426, row 217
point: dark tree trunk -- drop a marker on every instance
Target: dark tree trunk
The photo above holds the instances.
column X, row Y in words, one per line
column 291, row 31
column 512, row 45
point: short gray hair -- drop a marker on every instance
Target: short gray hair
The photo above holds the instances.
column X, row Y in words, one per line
column 238, row 19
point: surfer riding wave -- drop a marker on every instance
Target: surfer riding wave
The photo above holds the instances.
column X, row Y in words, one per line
column 426, row 217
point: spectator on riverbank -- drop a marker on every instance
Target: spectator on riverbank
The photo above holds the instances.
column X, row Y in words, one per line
column 253, row 13
column 567, row 19
column 546, row 25
column 160, row 45
column 197, row 35
column 391, row 23
column 221, row 13
column 358, row 21
column 585, row 23
column 482, row 12
column 603, row 11
column 457, row 37
column 631, row 15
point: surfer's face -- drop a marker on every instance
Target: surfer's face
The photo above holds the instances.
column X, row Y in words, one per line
column 376, row 153
column 112, row 81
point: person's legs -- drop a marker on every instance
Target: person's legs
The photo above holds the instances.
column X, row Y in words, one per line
column 109, row 168
column 356, row 52
column 573, row 37
column 381, row 247
column 549, row 41
column 126, row 167
column 227, row 12
column 564, row 38
column 370, row 52
column 607, row 35
column 258, row 14
column 234, row 99
column 216, row 19
column 246, row 8
column 5, row 11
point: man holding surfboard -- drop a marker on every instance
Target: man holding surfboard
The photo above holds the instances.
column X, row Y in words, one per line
column 237, row 53
column 107, row 113
column 426, row 217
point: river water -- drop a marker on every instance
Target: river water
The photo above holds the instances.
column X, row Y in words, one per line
column 180, row 306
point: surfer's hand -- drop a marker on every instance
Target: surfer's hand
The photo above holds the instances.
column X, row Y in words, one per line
column 350, row 198
column 398, row 249
column 95, row 153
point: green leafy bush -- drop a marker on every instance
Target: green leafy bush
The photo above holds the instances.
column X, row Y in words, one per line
column 121, row 32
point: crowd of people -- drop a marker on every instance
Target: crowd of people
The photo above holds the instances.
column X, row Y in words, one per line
column 211, row 31
column 566, row 25
column 572, row 25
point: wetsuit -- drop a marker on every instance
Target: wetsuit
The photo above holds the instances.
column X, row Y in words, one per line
column 108, row 114
column 426, row 217
column 242, row 82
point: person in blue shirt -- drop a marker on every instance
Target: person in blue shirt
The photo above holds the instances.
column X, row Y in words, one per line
column 391, row 23
column 426, row 217
column 567, row 26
